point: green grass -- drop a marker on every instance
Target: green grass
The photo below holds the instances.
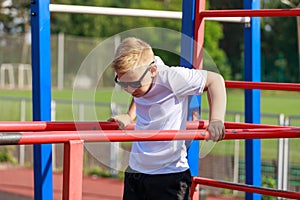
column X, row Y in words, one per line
column 273, row 102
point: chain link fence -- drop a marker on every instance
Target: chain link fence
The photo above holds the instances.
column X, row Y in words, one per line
column 67, row 54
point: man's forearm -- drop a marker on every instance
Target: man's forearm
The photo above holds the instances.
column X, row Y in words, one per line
column 216, row 94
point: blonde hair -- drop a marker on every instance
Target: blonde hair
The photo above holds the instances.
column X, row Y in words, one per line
column 132, row 52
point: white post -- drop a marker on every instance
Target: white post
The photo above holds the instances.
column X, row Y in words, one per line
column 283, row 158
column 11, row 78
column 21, row 69
column 53, row 118
column 22, row 119
column 29, row 76
column 23, row 110
column 53, row 110
column 236, row 157
column 279, row 167
column 280, row 157
column 286, row 147
column 60, row 61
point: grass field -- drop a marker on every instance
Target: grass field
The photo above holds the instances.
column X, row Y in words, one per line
column 272, row 102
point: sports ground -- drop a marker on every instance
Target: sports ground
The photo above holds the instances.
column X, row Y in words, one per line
column 16, row 183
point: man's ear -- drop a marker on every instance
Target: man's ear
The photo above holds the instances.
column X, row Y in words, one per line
column 153, row 71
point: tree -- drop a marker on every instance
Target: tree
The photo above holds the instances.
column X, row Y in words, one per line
column 106, row 26
column 232, row 41
column 279, row 46
column 14, row 19
column 14, row 16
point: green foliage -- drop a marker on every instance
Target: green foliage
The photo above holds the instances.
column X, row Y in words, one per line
column 105, row 26
column 231, row 41
column 97, row 171
column 223, row 43
column 277, row 44
column 14, row 18
column 268, row 182
column 213, row 34
column 280, row 59
column 6, row 155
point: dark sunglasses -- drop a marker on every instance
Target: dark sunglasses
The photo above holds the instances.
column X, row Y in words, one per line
column 134, row 84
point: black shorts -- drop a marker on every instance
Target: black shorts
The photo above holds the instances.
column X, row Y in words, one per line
column 173, row 186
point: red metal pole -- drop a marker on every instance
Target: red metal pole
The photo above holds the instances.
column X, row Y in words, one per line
column 262, row 85
column 202, row 124
column 56, row 126
column 73, row 169
column 10, row 138
column 199, row 27
column 251, row 13
column 77, row 126
column 240, row 125
column 246, row 188
column 199, row 35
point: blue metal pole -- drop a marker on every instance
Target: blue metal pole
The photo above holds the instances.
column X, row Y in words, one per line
column 186, row 60
column 187, row 29
column 41, row 94
column 252, row 72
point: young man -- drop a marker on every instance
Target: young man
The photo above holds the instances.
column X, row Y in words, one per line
column 159, row 170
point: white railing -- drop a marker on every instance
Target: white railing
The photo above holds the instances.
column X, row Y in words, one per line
column 134, row 12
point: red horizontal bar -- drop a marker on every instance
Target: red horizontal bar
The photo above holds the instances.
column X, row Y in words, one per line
column 44, row 137
column 239, row 125
column 292, row 12
column 263, row 85
column 274, row 133
column 246, row 188
column 56, row 126
column 76, row 126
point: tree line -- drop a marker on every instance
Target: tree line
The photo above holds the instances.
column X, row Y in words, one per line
column 223, row 41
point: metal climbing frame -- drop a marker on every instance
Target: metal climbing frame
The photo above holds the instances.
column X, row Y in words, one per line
column 193, row 26
column 251, row 72
column 74, row 134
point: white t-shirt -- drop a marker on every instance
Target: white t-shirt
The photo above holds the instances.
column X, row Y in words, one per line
column 165, row 107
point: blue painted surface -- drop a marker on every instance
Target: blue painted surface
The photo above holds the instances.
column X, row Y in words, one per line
column 187, row 49
column 41, row 94
column 252, row 72
column 187, row 29
column 42, row 90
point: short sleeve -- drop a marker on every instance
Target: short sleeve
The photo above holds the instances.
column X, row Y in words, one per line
column 184, row 81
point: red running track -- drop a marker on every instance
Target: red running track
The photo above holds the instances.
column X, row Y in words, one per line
column 19, row 181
